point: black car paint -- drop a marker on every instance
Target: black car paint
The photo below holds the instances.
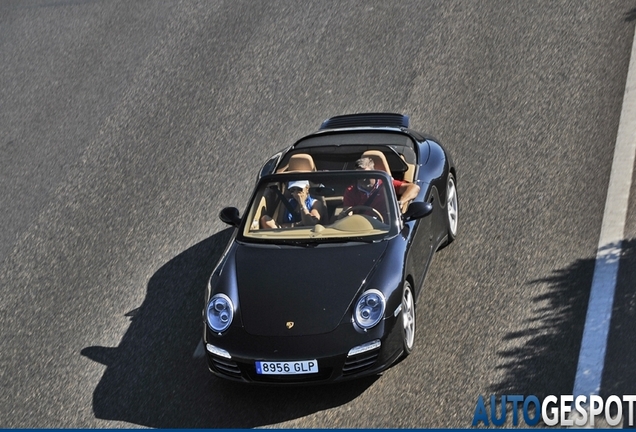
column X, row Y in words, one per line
column 277, row 287
column 406, row 256
column 327, row 346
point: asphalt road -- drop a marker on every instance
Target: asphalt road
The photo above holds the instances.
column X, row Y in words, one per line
column 126, row 126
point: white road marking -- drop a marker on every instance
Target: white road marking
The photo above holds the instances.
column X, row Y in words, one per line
column 599, row 311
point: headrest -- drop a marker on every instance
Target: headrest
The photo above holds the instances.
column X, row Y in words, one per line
column 379, row 160
column 301, row 162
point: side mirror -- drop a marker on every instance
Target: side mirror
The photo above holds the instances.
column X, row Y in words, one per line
column 417, row 210
column 230, row 215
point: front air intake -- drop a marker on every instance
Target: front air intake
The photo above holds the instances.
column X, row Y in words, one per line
column 358, row 363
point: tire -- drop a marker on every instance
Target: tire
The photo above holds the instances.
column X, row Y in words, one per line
column 407, row 317
column 452, row 209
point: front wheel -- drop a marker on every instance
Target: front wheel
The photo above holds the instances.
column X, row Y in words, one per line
column 408, row 319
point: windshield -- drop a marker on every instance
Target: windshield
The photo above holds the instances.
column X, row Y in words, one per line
column 324, row 206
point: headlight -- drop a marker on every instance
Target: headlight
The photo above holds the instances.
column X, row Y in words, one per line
column 220, row 312
column 369, row 309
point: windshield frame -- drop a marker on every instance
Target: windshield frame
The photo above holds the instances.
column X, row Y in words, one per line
column 250, row 231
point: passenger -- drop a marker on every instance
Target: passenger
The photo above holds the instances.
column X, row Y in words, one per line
column 302, row 209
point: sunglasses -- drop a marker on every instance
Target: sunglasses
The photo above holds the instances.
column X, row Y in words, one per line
column 295, row 189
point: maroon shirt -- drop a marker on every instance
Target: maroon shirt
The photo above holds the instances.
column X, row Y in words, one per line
column 356, row 196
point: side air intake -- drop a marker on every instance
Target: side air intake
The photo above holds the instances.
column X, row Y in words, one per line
column 363, row 120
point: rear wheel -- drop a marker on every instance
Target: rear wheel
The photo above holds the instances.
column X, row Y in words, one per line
column 452, row 208
column 408, row 319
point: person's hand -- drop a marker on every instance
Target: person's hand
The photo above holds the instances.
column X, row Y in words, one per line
column 344, row 213
column 300, row 196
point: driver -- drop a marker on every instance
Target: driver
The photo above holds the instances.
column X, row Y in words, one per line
column 367, row 192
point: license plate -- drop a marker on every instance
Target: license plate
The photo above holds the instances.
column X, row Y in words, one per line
column 286, row 368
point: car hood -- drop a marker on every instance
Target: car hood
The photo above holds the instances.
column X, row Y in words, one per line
column 301, row 291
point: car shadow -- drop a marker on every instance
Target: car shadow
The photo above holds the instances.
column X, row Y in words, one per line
column 155, row 379
column 545, row 363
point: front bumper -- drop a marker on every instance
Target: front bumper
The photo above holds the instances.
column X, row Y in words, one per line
column 332, row 351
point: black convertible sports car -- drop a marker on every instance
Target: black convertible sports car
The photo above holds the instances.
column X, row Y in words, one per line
column 320, row 280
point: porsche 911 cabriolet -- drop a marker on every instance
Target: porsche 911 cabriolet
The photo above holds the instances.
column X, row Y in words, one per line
column 320, row 280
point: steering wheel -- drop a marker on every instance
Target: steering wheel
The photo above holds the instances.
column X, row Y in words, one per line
column 361, row 209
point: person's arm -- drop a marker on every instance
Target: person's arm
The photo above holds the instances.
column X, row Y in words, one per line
column 310, row 216
column 406, row 192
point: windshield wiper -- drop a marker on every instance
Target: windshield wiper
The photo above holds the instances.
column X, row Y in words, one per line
column 301, row 243
column 351, row 240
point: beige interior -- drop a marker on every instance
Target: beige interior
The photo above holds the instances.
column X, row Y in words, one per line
column 379, row 160
column 261, row 210
column 409, row 175
column 299, row 162
column 303, row 162
column 358, row 224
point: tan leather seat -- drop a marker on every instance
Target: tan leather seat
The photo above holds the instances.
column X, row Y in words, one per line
column 409, row 175
column 380, row 163
column 301, row 162
column 379, row 160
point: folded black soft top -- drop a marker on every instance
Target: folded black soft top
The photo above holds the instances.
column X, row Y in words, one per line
column 366, row 120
